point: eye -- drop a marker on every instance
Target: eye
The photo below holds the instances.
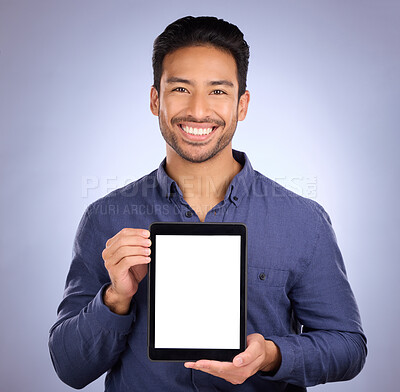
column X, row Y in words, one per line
column 218, row 92
column 180, row 89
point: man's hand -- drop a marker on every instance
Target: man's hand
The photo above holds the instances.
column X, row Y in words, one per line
column 125, row 256
column 260, row 354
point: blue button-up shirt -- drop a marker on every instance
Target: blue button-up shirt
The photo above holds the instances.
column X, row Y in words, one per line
column 298, row 293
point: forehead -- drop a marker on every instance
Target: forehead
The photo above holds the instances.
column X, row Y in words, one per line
column 200, row 63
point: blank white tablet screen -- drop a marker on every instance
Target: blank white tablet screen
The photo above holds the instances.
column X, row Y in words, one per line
column 197, row 291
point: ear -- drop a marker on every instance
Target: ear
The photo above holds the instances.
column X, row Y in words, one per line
column 243, row 105
column 154, row 101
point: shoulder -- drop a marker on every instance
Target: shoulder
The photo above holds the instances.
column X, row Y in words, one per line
column 285, row 202
column 292, row 225
column 133, row 192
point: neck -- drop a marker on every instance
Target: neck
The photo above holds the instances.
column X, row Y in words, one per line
column 206, row 182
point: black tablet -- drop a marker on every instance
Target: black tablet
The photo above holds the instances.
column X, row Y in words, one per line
column 197, row 291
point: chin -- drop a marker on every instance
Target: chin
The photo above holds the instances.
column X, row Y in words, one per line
column 201, row 155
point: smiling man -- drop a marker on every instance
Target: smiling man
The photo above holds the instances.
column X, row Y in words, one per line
column 303, row 322
column 199, row 114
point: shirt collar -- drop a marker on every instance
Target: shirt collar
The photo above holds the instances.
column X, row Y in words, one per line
column 237, row 190
column 167, row 184
column 241, row 183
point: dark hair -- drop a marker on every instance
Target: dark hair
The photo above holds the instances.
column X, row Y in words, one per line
column 203, row 30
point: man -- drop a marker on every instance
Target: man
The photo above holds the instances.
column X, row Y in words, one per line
column 303, row 322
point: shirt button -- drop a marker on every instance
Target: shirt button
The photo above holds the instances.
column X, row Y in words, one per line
column 235, row 198
column 188, row 214
column 262, row 276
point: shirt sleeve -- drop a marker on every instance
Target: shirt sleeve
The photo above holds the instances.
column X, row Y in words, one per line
column 332, row 345
column 87, row 338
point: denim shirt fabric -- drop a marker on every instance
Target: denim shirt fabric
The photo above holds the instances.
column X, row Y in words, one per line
column 298, row 293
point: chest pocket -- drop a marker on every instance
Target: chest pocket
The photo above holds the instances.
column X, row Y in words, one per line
column 267, row 277
column 269, row 307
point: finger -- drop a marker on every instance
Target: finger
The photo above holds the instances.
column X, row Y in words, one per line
column 254, row 350
column 124, row 251
column 118, row 250
column 128, row 231
column 212, row 367
column 132, row 261
column 123, row 267
column 131, row 241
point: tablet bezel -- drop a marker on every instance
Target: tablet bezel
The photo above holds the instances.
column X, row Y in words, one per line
column 198, row 228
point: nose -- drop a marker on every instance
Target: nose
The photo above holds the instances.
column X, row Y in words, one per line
column 198, row 106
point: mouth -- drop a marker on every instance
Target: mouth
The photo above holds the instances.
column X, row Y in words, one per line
column 198, row 131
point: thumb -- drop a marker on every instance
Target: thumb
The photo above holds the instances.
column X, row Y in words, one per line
column 238, row 360
column 253, row 350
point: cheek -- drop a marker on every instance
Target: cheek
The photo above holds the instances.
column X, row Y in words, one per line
column 172, row 107
column 165, row 113
column 226, row 110
column 231, row 115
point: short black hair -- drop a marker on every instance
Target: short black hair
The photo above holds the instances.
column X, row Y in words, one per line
column 197, row 31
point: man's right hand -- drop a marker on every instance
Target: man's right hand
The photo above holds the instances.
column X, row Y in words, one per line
column 125, row 256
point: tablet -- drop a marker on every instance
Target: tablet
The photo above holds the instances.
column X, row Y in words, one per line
column 197, row 291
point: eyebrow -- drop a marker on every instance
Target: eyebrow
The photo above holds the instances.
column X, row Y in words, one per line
column 221, row 83
column 174, row 79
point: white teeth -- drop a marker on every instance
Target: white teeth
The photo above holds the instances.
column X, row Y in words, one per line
column 197, row 131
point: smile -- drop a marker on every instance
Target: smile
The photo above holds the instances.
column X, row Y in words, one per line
column 196, row 131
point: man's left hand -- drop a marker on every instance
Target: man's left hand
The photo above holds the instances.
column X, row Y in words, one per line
column 260, row 354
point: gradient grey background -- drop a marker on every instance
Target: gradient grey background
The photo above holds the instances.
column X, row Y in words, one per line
column 74, row 113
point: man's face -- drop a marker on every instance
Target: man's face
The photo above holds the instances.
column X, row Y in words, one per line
column 198, row 105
